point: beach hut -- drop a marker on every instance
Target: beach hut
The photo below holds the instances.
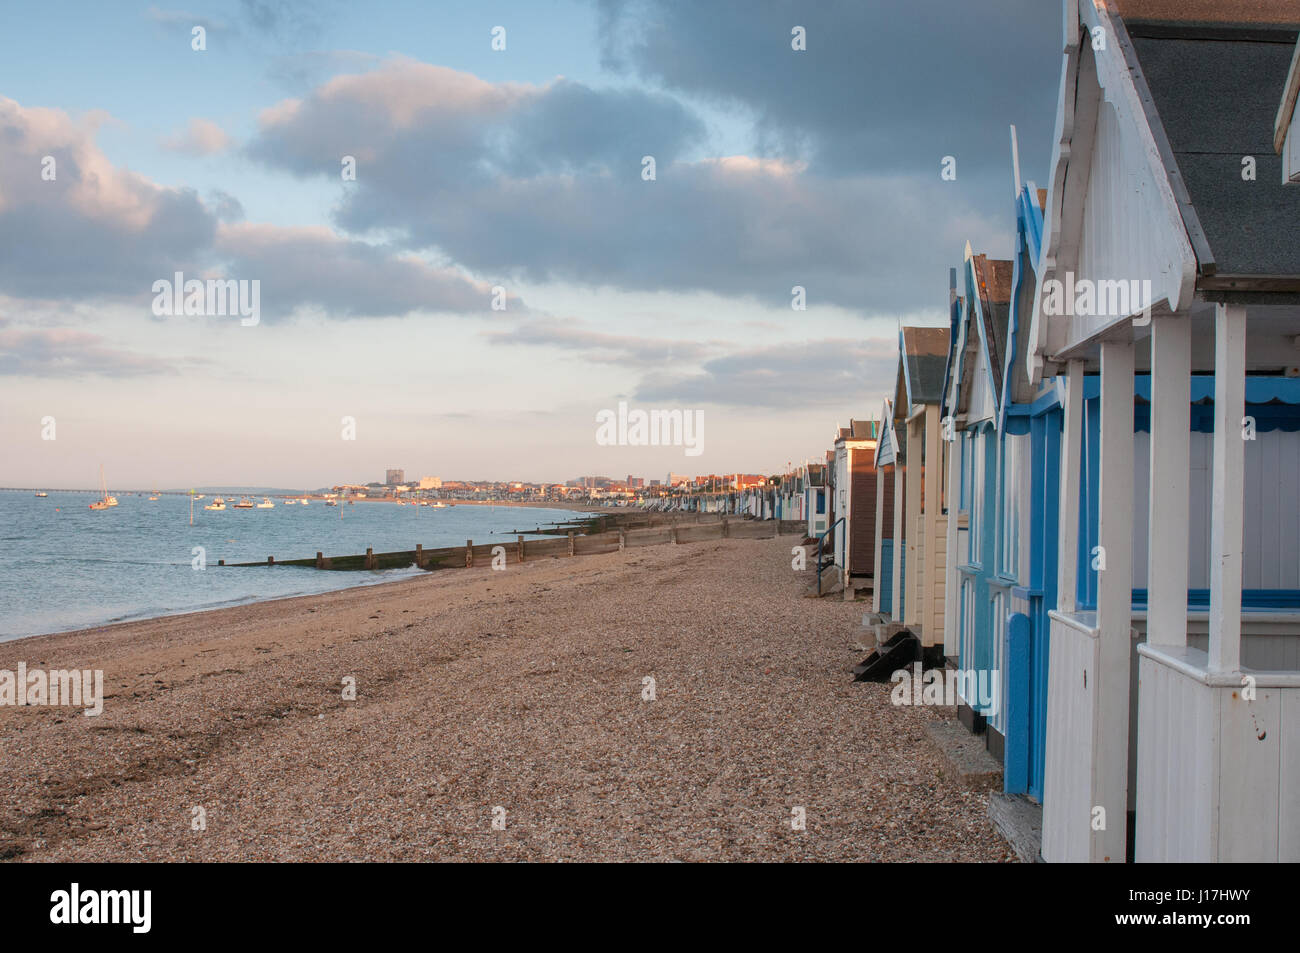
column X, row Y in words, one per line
column 983, row 562
column 816, row 500
column 1167, row 246
column 855, row 502
column 918, row 393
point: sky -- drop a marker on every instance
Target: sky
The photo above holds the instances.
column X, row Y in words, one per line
column 501, row 267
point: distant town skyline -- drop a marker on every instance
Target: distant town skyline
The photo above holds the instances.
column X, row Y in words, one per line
column 463, row 258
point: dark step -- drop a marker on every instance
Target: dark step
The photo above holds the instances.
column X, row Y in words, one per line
column 902, row 649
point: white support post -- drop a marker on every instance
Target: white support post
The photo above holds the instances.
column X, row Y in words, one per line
column 1071, row 465
column 877, row 576
column 1114, row 599
column 1169, row 488
column 952, row 583
column 897, row 594
column 1226, row 517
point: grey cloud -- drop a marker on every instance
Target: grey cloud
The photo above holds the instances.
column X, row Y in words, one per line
column 100, row 231
column 300, row 71
column 545, row 184
column 314, row 268
column 94, row 229
column 184, row 18
column 413, row 127
column 226, row 207
column 598, row 347
column 886, row 86
column 822, row 372
column 67, row 352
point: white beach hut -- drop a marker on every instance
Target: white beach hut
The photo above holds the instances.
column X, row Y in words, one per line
column 1169, row 238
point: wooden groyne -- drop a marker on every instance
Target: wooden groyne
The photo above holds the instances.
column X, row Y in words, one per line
column 629, row 531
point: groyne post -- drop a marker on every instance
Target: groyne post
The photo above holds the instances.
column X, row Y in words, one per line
column 469, row 553
column 520, row 546
column 622, row 539
column 370, row 557
column 320, row 559
column 726, row 529
column 270, row 560
column 419, row 555
column 571, row 549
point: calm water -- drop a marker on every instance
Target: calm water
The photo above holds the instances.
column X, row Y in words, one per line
column 63, row 566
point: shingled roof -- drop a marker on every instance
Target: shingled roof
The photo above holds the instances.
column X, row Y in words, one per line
column 1216, row 73
column 926, row 353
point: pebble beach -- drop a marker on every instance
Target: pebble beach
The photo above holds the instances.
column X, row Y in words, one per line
column 519, row 696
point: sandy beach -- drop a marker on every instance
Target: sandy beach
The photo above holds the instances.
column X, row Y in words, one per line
column 520, row 689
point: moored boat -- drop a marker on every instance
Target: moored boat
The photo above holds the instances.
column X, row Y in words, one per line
column 105, row 501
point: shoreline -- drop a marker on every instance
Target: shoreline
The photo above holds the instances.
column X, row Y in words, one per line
column 222, row 607
column 520, row 688
column 257, row 599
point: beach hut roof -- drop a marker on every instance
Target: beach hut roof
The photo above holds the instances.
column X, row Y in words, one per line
column 924, row 354
column 857, row 430
column 1216, row 73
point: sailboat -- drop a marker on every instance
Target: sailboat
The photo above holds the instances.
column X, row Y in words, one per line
column 105, row 501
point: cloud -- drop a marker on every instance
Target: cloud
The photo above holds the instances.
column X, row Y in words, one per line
column 599, row 347
column 304, row 70
column 788, row 376
column 67, row 352
column 225, row 206
column 98, row 231
column 544, row 183
column 313, row 268
column 183, row 18
column 430, row 126
column 201, row 137
column 94, row 228
column 880, row 85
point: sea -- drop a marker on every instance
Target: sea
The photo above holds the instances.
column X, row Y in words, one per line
column 64, row 566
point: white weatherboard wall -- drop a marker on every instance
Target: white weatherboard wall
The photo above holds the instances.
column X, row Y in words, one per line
column 1071, row 741
column 1219, row 775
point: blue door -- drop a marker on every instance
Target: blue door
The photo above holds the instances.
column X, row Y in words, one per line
column 1029, row 634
